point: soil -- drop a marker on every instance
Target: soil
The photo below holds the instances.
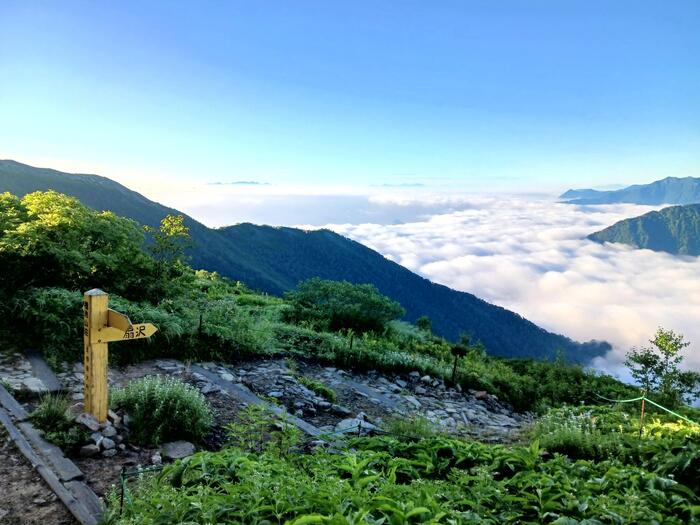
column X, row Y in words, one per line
column 101, row 474
column 25, row 499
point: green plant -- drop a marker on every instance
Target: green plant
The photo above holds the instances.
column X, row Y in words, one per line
column 657, row 369
column 53, row 418
column 51, row 412
column 318, row 388
column 163, row 409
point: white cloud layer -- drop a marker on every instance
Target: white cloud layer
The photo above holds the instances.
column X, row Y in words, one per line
column 531, row 255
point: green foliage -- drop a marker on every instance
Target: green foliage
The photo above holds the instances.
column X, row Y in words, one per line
column 424, row 323
column 657, row 369
column 340, row 305
column 52, row 417
column 50, row 239
column 412, row 427
column 256, row 429
column 664, row 444
column 319, row 388
column 383, row 480
column 163, row 409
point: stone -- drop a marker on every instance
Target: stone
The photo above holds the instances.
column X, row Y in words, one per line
column 88, row 451
column 109, row 431
column 420, row 390
column 401, row 383
column 340, row 410
column 415, row 374
column 89, row 421
column 78, row 367
column 323, row 405
column 177, row 449
column 208, row 388
column 413, row 401
column 34, row 385
column 97, row 437
column 275, row 393
column 351, row 425
column 113, row 417
column 126, row 420
column 111, row 452
column 395, row 388
column 107, row 444
column 77, row 396
column 156, row 459
column 426, row 379
column 77, row 409
column 481, row 394
column 226, row 376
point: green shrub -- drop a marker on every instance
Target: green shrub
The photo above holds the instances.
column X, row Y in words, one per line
column 163, row 409
column 52, row 417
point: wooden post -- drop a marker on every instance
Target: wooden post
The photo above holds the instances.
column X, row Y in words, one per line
column 101, row 326
column 95, row 310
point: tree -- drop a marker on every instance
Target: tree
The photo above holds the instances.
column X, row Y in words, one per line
column 340, row 305
column 657, row 368
column 425, row 324
column 50, row 239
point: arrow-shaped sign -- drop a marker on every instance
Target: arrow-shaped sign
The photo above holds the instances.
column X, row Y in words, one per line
column 140, row 331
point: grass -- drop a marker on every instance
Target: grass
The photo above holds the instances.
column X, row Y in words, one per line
column 52, row 417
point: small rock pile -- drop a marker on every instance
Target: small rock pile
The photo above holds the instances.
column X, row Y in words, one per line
column 106, row 438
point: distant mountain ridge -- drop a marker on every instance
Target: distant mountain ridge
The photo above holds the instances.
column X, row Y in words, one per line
column 671, row 190
column 275, row 259
column 675, row 230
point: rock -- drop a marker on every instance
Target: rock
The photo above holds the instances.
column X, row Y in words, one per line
column 89, row 421
column 78, row 367
column 340, row 410
column 420, row 390
column 413, row 401
column 323, row 405
column 107, row 444
column 415, row 374
column 395, row 388
column 481, row 394
column 126, row 420
column 121, row 446
column 97, row 437
column 109, row 452
column 34, row 385
column 177, row 449
column 77, row 409
column 156, row 459
column 88, row 451
column 113, row 417
column 354, row 425
column 226, row 376
column 401, row 383
column 77, row 396
column 109, row 431
column 208, row 388
column 275, row 393
column 426, row 379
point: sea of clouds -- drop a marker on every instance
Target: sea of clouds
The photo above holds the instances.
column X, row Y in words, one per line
column 528, row 253
column 531, row 255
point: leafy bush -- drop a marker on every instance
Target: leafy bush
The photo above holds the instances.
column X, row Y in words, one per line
column 340, row 305
column 163, row 409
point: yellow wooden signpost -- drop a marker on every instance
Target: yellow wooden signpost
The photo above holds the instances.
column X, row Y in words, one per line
column 103, row 325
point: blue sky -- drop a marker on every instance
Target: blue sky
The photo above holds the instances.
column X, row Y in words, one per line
column 476, row 94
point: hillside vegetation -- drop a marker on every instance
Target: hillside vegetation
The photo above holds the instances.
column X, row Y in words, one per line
column 581, row 463
column 674, row 230
column 671, row 190
column 275, row 260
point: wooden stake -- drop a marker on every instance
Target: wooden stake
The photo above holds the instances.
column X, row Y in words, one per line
column 95, row 311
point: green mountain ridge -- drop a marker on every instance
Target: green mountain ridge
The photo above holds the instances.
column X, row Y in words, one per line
column 671, row 190
column 275, row 259
column 675, row 230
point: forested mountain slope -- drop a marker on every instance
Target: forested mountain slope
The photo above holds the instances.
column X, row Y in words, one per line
column 671, row 190
column 276, row 259
column 674, row 230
